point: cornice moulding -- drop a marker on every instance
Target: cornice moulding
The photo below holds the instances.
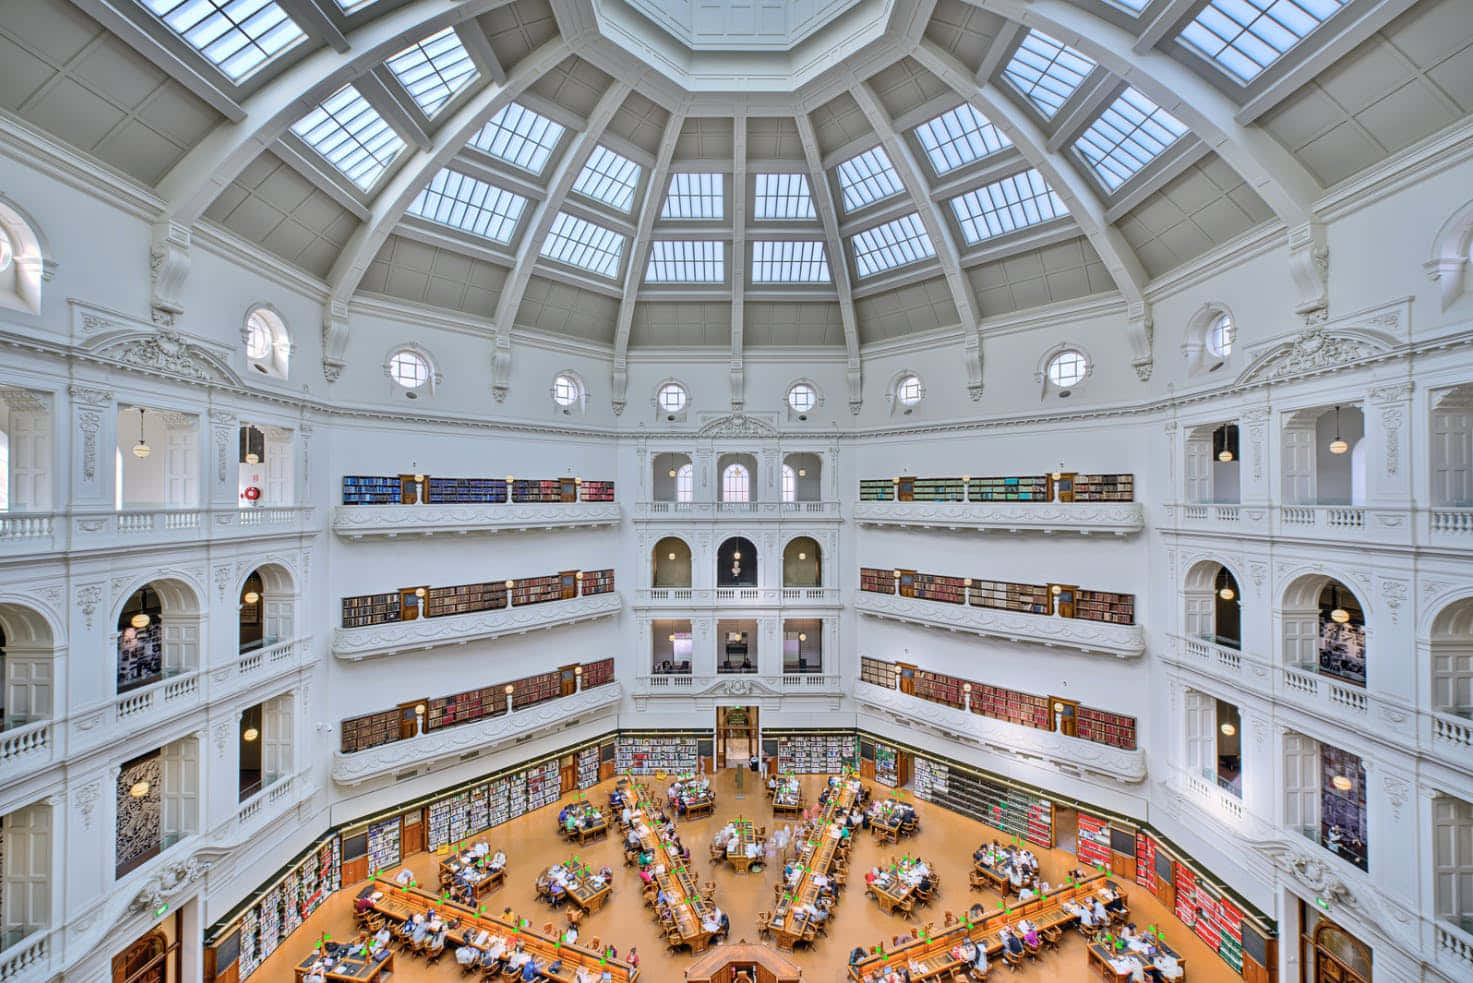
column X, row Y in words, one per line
column 22, row 141
column 1428, row 156
column 228, row 245
column 359, row 521
column 1121, row 641
column 353, row 644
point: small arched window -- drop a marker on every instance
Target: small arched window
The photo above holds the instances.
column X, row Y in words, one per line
column 910, row 391
column 1068, row 368
column 267, row 346
column 736, row 484
column 409, row 369
column 1220, row 336
column 568, row 392
column 685, row 483
column 672, row 397
column 790, row 484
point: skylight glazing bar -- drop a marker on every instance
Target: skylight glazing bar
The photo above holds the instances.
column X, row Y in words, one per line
column 609, row 178
column 1243, row 37
column 789, row 262
column 782, row 198
column 1128, row 135
column 351, row 136
column 236, row 36
column 582, row 244
column 1046, row 71
column 694, row 196
column 679, row 261
column 959, row 137
column 867, row 178
column 434, row 70
column 1013, row 203
column 473, row 206
column 892, row 245
column 520, row 137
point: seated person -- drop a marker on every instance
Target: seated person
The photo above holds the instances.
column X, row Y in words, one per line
column 497, row 862
column 1011, row 944
column 529, row 970
column 404, row 878
column 467, row 955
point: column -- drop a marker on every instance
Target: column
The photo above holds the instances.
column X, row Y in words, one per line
column 769, row 646
column 94, row 430
column 703, row 646
column 1388, row 470
column 1255, row 451
column 222, row 474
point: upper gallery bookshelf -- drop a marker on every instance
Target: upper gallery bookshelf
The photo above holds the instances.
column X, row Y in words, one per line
column 421, row 504
column 411, row 603
column 424, row 489
column 1059, row 501
column 1065, row 600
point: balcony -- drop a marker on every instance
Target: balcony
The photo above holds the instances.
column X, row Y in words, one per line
column 391, row 521
column 1351, row 524
column 260, row 667
column 26, row 750
column 698, row 597
column 32, row 533
column 352, row 644
column 450, row 744
column 742, row 511
column 1454, row 952
column 1447, row 527
column 28, row 959
column 749, row 686
column 1084, row 518
column 1030, row 744
column 1121, row 641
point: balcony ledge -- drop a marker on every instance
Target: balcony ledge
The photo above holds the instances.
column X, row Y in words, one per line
column 390, row 521
column 697, row 597
column 1067, row 754
column 351, row 644
column 439, row 746
column 737, row 511
column 1121, row 641
column 748, row 686
column 1084, row 518
column 34, row 533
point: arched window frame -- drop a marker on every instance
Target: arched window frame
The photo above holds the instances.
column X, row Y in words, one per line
column 661, row 413
column 1041, row 373
column 736, row 483
column 1196, row 344
column 685, row 483
column 276, row 362
column 892, row 392
column 795, row 414
column 579, row 403
column 431, row 383
column 30, row 260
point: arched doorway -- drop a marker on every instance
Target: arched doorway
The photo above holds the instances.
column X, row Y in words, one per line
column 736, row 563
column 1336, row 956
column 1452, row 659
column 1324, row 626
column 673, row 478
column 670, row 563
column 28, row 657
column 158, row 633
column 267, row 607
column 1213, row 601
column 802, row 563
column 145, row 961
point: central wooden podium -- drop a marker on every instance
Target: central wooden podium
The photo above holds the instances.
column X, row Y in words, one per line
column 743, row 963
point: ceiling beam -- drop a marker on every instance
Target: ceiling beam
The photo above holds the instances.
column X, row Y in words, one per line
column 1162, row 23
column 478, row 45
column 392, row 102
column 316, row 21
column 738, row 256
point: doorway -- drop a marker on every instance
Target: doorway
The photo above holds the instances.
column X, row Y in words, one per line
column 738, row 736
column 1337, row 956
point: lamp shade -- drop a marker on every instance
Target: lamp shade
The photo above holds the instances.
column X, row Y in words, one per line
column 1224, row 455
column 140, row 620
column 141, row 450
column 250, row 734
column 138, row 789
column 1340, row 616
column 1228, row 729
column 1339, row 446
column 1342, row 782
column 250, row 597
column 1227, row 593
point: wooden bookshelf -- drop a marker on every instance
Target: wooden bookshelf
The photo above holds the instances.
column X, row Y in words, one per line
column 877, row 672
column 817, row 754
column 877, row 490
column 535, row 689
column 939, row 490
column 1004, row 596
column 1104, row 488
column 599, row 673
column 1024, row 709
column 877, row 581
column 544, row 490
column 597, row 491
column 462, row 708
column 932, row 587
column 639, row 755
column 370, row 730
column 940, row 688
column 372, row 609
column 1002, row 806
column 1096, row 605
column 539, row 590
column 371, row 490
column 465, row 491
column 597, row 582
column 464, row 599
column 1018, row 488
column 1104, row 727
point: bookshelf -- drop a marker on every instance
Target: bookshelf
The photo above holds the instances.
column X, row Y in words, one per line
column 877, row 581
column 932, row 587
column 939, row 688
column 647, row 755
column 535, row 689
column 597, row 582
column 1024, row 709
column 1005, row 807
column 876, row 490
column 372, row 609
column 1104, row 727
column 599, row 673
column 464, row 599
column 588, row 767
column 817, row 754
column 887, row 765
column 1104, row 488
column 462, row 708
column 1098, row 605
column 544, row 785
column 384, row 849
column 932, row 779
column 539, row 590
column 1004, row 596
column 372, row 490
column 449, row 820
column 877, row 672
column 1021, row 488
column 465, row 491
column 939, row 490
column 306, row 884
column 538, row 490
column 372, row 730
column 597, row 491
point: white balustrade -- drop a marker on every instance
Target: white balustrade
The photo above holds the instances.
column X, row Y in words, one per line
column 20, row 526
column 1348, row 697
column 1297, row 515
column 1195, row 513
column 1451, row 522
column 25, row 744
column 22, row 959
column 1454, row 946
column 1454, row 731
column 1226, row 513
column 1299, row 681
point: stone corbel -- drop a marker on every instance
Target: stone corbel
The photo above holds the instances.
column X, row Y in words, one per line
column 972, row 357
column 334, row 338
column 856, row 392
column 1141, row 330
column 168, row 263
column 501, row 365
column 620, row 384
column 1309, row 265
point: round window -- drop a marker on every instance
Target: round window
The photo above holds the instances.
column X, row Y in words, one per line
column 7, row 251
column 1067, row 368
column 566, row 390
column 1220, row 336
column 258, row 336
column 409, row 369
column 802, row 397
column 909, row 390
column 672, row 397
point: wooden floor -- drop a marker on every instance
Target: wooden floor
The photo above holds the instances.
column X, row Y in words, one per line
column 946, row 840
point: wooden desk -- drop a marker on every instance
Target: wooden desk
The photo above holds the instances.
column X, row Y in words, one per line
column 999, row 880
column 886, row 823
column 1100, row 965
column 351, row 969
column 787, row 799
column 891, row 890
column 816, row 856
column 722, row 963
column 587, row 827
column 700, row 807
column 687, row 907
column 746, row 835
column 580, row 888
column 488, row 880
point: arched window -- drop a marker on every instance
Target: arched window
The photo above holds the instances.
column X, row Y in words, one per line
column 1067, row 368
column 790, row 484
column 685, row 483
column 1220, row 336
column 672, row 397
column 736, row 484
column 802, row 397
column 409, row 369
column 909, row 390
column 267, row 346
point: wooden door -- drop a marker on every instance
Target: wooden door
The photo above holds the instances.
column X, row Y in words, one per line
column 907, row 583
column 1339, row 957
column 408, row 720
column 905, row 490
column 569, row 490
column 1063, row 595
column 410, row 491
column 569, row 579
column 413, row 840
column 1064, row 486
column 409, row 603
column 568, row 773
column 1299, row 465
column 30, row 458
column 1198, row 470
column 907, row 678
column 1064, row 718
column 1452, row 457
column 568, row 679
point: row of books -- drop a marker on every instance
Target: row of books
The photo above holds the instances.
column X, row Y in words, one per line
column 1006, row 488
column 647, row 755
column 1044, row 599
column 817, row 754
column 365, row 610
column 437, row 490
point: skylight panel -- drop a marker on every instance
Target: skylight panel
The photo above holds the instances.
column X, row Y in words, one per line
column 1046, row 71
column 584, row 245
column 609, row 178
column 782, row 198
column 675, row 261
column 894, row 244
column 434, row 70
column 1243, row 37
column 694, row 196
column 351, row 136
column 789, row 262
column 867, row 178
column 1131, row 6
column 473, row 206
column 1013, row 203
column 520, row 137
column 959, row 137
column 236, row 36
column 1127, row 136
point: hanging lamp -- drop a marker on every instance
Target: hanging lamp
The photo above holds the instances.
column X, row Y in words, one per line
column 1337, row 614
column 1338, row 445
column 141, row 449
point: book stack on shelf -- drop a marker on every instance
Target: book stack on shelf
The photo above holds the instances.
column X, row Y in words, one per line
column 499, row 797
column 448, row 820
column 1104, row 488
column 535, row 689
column 877, row 672
column 535, row 490
column 1022, row 488
column 933, row 587
column 516, row 794
column 588, row 767
column 940, row 490
column 1099, row 605
column 647, row 755
column 999, row 805
column 1027, row 598
column 465, row 599
column 885, row 765
column 544, row 785
column 1023, row 709
column 597, row 491
column 371, row 609
column 597, row 582
column 877, row 490
column 371, row 490
column 877, row 581
column 465, row 491
column 537, row 590
column 361, row 733
column 462, row 708
column 817, row 754
column 1104, row 727
column 266, row 923
column 383, row 844
column 931, row 779
column 940, row 688
column 599, row 673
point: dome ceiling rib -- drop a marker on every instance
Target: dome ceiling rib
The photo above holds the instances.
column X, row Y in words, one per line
column 738, row 248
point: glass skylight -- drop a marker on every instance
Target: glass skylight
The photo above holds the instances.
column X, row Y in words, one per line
column 959, row 137
column 782, row 197
column 610, row 178
column 694, row 196
column 1046, row 71
column 584, row 245
column 678, row 261
column 472, row 206
column 1127, row 136
column 236, row 36
column 789, row 262
column 1133, row 6
column 351, row 135
column 520, row 137
column 891, row 245
column 434, row 70
column 1243, row 37
column 867, row 178
column 1015, row 202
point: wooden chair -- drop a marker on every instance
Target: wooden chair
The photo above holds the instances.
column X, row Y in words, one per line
column 1050, row 937
column 980, row 974
column 596, row 944
column 764, row 923
column 547, row 928
column 718, row 852
column 434, row 952
column 1014, row 963
column 1031, row 951
column 976, row 882
column 948, row 921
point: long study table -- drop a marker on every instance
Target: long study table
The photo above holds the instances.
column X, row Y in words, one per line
column 687, row 906
column 788, row 925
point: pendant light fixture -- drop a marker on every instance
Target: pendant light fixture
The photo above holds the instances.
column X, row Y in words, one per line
column 141, row 449
column 251, row 597
column 250, row 734
column 1225, row 443
column 139, row 620
column 1226, row 593
column 1338, row 445
column 138, row 789
column 1342, row 782
column 1337, row 614
column 1228, row 730
column 1225, row 585
column 418, row 477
